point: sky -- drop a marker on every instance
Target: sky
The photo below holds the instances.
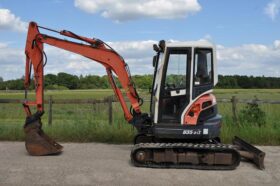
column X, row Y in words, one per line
column 246, row 33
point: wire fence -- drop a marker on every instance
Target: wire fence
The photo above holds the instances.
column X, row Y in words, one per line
column 107, row 110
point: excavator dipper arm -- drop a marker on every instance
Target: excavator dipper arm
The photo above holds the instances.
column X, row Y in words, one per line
column 93, row 49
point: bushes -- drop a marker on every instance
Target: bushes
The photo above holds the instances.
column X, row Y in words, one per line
column 56, row 87
column 252, row 115
column 256, row 123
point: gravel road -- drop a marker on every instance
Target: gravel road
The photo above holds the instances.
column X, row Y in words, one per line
column 105, row 164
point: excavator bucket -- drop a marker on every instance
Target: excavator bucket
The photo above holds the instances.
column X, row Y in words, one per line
column 250, row 152
column 37, row 143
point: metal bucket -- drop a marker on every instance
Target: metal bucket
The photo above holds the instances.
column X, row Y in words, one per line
column 37, row 143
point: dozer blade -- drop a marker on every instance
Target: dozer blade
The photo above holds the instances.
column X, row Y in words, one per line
column 250, row 152
column 37, row 143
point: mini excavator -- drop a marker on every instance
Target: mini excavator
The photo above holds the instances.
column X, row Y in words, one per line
column 183, row 127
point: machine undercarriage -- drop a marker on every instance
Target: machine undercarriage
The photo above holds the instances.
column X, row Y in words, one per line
column 209, row 155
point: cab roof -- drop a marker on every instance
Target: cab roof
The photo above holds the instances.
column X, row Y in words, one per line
column 200, row 43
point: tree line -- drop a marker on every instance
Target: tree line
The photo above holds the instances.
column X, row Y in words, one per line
column 63, row 81
column 238, row 81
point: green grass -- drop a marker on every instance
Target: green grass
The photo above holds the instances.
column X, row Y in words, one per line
column 263, row 94
column 88, row 123
column 273, row 94
column 269, row 134
column 62, row 94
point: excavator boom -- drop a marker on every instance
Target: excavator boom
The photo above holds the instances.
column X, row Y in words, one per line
column 93, row 49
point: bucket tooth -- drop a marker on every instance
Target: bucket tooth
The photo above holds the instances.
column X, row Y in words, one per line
column 37, row 143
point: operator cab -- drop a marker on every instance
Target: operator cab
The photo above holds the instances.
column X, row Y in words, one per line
column 184, row 77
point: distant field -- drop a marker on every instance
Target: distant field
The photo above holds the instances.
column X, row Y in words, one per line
column 62, row 94
column 85, row 123
column 273, row 94
column 262, row 94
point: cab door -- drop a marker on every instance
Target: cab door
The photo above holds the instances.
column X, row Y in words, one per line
column 175, row 85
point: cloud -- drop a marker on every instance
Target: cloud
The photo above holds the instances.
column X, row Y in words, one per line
column 9, row 55
column 124, row 10
column 12, row 62
column 277, row 44
column 63, row 61
column 247, row 59
column 250, row 59
column 137, row 54
column 8, row 21
column 134, row 49
column 208, row 37
column 272, row 9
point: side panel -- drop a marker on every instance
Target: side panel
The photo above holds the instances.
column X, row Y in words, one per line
column 190, row 104
column 209, row 130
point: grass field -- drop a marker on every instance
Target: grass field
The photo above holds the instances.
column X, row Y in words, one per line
column 88, row 122
column 273, row 94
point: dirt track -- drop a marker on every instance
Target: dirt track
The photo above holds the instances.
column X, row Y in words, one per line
column 103, row 164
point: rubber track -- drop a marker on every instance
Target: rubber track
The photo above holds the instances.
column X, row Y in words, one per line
column 207, row 148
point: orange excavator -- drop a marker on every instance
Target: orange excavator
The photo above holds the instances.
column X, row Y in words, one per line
column 183, row 127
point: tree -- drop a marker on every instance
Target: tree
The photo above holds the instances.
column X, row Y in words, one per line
column 67, row 80
column 50, row 79
column 15, row 84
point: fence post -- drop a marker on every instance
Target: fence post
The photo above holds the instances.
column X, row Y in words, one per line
column 234, row 114
column 50, row 111
column 110, row 110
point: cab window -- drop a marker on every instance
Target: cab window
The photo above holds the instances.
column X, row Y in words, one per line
column 176, row 71
column 203, row 67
